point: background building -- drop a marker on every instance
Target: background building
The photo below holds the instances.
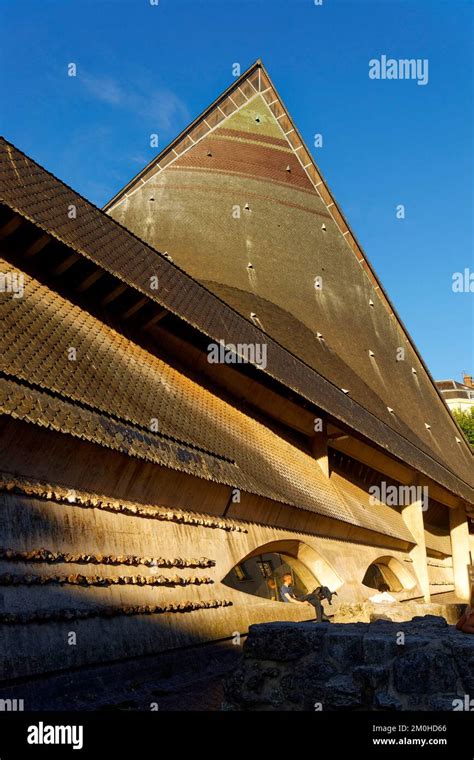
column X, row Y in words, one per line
column 459, row 396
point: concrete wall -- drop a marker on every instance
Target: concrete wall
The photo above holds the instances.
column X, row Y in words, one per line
column 30, row 523
column 161, row 522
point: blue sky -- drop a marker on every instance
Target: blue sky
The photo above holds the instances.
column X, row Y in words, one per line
column 143, row 69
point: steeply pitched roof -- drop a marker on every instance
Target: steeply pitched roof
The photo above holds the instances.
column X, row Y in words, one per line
column 238, row 202
column 37, row 196
column 113, row 390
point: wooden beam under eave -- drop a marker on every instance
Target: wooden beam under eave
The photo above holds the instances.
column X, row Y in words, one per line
column 37, row 246
column 115, row 293
column 133, row 309
column 374, row 458
column 334, row 432
column 438, row 493
column 10, row 227
column 90, row 281
column 155, row 319
column 393, row 469
column 65, row 265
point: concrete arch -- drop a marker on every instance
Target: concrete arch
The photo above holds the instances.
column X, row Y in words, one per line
column 316, row 566
column 390, row 568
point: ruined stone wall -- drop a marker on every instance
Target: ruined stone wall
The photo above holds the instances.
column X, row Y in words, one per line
column 419, row 665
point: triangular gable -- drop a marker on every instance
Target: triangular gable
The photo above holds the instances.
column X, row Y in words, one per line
column 253, row 87
column 245, row 152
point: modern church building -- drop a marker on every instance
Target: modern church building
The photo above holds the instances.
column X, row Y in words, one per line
column 205, row 386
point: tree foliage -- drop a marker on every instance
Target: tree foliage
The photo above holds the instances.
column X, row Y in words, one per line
column 465, row 421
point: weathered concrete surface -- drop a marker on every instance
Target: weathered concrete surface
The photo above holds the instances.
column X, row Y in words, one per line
column 424, row 664
column 30, row 523
column 368, row 612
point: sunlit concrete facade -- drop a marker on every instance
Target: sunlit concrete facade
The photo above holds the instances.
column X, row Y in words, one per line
column 142, row 486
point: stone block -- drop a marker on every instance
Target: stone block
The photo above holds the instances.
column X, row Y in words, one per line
column 342, row 692
column 371, row 676
column 379, row 648
column 443, row 702
column 386, row 701
column 424, row 671
column 281, row 642
column 344, row 647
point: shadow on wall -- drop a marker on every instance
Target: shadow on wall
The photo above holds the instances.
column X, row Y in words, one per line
column 80, row 586
column 76, row 588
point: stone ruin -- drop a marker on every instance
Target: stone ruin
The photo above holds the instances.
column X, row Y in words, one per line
column 422, row 664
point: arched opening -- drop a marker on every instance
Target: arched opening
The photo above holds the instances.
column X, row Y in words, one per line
column 389, row 572
column 260, row 573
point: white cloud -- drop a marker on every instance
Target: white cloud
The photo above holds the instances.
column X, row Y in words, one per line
column 139, row 158
column 160, row 108
column 104, row 88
